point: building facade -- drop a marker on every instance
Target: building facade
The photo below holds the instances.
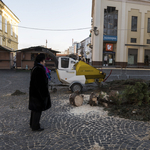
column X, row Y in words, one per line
column 74, row 48
column 84, row 49
column 120, row 33
column 8, row 36
column 79, row 49
column 8, row 27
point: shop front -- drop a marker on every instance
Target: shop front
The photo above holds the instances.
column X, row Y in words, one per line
column 109, row 59
column 147, row 57
column 109, row 49
column 26, row 57
column 110, row 35
column 132, row 57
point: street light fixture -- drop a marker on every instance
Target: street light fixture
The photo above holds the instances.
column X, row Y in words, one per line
column 96, row 31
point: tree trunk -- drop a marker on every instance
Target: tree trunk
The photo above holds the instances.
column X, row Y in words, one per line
column 93, row 99
column 76, row 99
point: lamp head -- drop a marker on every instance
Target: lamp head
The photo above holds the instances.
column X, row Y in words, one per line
column 96, row 32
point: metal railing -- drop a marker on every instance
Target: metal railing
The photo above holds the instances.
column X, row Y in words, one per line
column 119, row 73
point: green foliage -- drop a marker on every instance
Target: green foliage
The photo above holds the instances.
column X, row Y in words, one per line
column 133, row 100
column 115, row 97
column 101, row 95
column 126, row 111
column 137, row 94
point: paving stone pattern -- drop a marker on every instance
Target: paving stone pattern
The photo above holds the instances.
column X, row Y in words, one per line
column 64, row 130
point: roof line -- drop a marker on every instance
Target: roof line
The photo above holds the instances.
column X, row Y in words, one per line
column 5, row 48
column 9, row 10
column 39, row 47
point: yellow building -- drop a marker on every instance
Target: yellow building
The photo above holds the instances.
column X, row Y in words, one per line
column 8, row 36
column 8, row 27
column 121, row 33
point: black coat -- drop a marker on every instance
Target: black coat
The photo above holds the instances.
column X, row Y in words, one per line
column 39, row 97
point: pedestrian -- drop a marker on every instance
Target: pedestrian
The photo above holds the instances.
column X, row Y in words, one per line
column 83, row 58
column 48, row 73
column 39, row 96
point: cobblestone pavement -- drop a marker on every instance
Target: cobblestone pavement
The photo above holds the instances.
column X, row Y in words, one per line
column 66, row 127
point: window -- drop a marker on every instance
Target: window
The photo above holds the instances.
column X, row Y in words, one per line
column 134, row 23
column 133, row 40
column 64, row 62
column 0, row 22
column 148, row 41
column 48, row 57
column 15, row 32
column 147, row 57
column 11, row 30
column 148, row 26
column 110, row 21
column 6, row 25
column 33, row 56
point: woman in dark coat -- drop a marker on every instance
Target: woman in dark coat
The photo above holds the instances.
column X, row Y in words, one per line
column 39, row 97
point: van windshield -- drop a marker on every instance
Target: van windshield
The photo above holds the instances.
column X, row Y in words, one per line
column 64, row 62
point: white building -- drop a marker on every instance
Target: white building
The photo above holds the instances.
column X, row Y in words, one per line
column 73, row 49
column 84, row 49
column 70, row 49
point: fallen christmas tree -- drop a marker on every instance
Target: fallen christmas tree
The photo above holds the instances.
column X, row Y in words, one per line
column 133, row 102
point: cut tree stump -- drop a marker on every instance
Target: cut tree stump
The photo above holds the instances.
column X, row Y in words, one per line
column 93, row 99
column 76, row 99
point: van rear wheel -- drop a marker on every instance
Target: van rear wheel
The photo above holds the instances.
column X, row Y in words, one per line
column 76, row 87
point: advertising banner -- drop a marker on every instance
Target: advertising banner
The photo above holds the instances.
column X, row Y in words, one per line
column 109, row 47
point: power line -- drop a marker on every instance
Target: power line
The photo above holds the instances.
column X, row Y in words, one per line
column 54, row 29
column 31, row 28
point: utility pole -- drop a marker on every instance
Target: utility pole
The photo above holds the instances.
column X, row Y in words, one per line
column 46, row 43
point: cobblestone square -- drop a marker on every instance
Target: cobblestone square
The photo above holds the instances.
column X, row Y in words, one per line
column 66, row 127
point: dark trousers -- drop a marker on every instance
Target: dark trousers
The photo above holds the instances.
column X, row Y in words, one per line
column 35, row 120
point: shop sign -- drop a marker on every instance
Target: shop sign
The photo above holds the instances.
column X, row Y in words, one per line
column 109, row 47
column 109, row 38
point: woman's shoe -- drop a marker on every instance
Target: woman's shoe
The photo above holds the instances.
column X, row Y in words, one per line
column 40, row 129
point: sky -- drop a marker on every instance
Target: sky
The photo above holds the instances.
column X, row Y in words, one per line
column 51, row 14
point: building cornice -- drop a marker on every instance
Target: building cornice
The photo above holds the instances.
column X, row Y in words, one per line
column 9, row 38
column 1, row 6
column 143, row 2
column 4, row 7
